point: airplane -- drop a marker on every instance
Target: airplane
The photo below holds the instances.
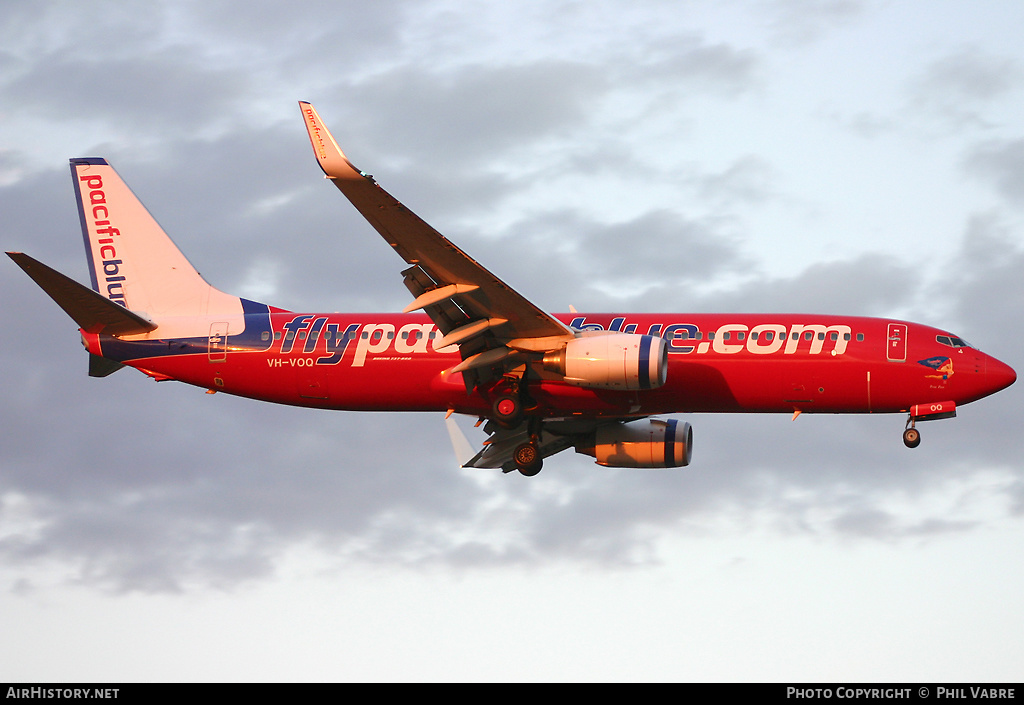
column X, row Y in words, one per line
column 469, row 344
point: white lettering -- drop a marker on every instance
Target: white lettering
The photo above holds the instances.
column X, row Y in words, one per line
column 766, row 339
column 375, row 338
column 413, row 338
column 720, row 346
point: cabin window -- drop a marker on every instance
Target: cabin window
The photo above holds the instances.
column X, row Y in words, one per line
column 265, row 335
column 833, row 336
column 846, row 336
column 860, row 337
column 277, row 335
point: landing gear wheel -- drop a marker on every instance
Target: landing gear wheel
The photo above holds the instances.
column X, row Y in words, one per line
column 507, row 410
column 911, row 438
column 527, row 459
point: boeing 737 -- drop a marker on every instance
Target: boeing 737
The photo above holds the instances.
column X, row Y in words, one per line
column 468, row 343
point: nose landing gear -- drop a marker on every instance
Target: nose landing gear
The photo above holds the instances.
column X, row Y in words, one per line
column 911, row 436
column 926, row 412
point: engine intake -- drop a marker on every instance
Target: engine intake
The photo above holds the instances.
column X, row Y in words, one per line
column 642, row 444
column 615, row 361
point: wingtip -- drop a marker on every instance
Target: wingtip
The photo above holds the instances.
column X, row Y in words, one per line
column 328, row 154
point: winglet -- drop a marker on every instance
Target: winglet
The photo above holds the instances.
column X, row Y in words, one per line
column 328, row 154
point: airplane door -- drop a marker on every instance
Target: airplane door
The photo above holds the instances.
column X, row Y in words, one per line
column 896, row 342
column 218, row 342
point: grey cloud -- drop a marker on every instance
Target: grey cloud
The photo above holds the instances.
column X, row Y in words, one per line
column 501, row 109
column 803, row 21
column 969, row 74
column 956, row 87
column 882, row 525
column 1002, row 164
column 161, row 89
column 687, row 62
column 872, row 284
column 748, row 180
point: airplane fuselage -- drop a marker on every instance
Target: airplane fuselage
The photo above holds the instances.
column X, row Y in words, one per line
column 778, row 363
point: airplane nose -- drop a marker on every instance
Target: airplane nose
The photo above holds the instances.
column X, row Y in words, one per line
column 999, row 375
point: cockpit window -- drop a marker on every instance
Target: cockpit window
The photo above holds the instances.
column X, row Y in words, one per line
column 952, row 341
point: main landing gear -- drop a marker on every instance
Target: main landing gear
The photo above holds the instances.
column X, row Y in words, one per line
column 510, row 401
column 507, row 409
column 509, row 406
column 527, row 458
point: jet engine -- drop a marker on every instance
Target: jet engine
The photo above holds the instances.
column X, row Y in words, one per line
column 642, row 444
column 625, row 361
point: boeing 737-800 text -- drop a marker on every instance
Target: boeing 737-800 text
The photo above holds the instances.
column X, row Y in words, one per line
column 543, row 383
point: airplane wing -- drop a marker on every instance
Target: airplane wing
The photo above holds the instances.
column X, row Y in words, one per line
column 499, row 448
column 472, row 308
column 500, row 445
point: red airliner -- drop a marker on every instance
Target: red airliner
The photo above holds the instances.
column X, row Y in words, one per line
column 543, row 383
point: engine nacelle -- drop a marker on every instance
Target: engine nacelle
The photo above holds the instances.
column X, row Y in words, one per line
column 642, row 444
column 614, row 361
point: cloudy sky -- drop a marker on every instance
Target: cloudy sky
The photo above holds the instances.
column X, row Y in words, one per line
column 848, row 156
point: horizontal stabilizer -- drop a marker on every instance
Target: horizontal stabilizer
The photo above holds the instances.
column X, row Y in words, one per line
column 92, row 311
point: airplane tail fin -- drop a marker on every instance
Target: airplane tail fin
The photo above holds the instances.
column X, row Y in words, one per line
column 132, row 261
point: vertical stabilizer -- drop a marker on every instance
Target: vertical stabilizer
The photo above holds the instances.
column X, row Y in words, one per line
column 132, row 261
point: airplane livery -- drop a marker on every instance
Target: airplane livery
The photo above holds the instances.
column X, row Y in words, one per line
column 469, row 344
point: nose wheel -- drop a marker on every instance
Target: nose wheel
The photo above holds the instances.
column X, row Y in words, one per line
column 911, row 436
